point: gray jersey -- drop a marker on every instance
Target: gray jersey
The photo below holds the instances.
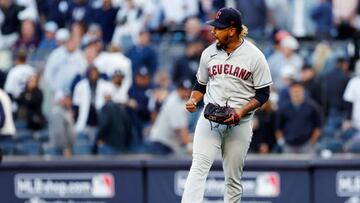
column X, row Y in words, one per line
column 235, row 76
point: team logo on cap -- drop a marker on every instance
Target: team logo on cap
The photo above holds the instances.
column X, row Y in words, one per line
column 218, row 15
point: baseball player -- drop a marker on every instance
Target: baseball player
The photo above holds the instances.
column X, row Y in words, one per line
column 232, row 72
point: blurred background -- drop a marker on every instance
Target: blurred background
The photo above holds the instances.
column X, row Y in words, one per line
column 100, row 86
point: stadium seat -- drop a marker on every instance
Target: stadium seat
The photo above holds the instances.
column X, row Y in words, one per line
column 42, row 135
column 28, row 148
column 23, row 135
column 49, row 149
column 82, row 148
column 353, row 145
column 19, row 125
column 106, row 150
column 7, row 144
column 82, row 137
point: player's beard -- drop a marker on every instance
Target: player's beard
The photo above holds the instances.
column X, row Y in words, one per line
column 222, row 44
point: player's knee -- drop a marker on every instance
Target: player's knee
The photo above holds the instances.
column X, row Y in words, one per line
column 201, row 163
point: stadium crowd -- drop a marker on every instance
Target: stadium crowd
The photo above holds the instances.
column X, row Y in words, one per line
column 112, row 76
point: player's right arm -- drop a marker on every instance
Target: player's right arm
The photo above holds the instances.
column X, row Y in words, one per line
column 195, row 97
column 199, row 88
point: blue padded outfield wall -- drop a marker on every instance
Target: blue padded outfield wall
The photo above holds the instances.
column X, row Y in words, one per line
column 146, row 179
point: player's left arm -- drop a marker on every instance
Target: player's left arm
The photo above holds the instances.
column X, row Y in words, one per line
column 261, row 96
column 261, row 82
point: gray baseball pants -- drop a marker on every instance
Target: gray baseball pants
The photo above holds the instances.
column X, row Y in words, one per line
column 234, row 144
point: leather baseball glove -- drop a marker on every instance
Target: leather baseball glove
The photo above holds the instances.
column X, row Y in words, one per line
column 218, row 114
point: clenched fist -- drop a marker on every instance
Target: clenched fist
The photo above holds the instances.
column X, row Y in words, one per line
column 191, row 105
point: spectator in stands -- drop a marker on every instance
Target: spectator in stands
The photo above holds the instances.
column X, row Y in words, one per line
column 322, row 58
column 28, row 38
column 176, row 11
column 288, row 76
column 277, row 36
column 105, row 16
column 344, row 16
column 298, row 124
column 255, row 23
column 89, row 97
column 352, row 122
column 278, row 11
column 10, row 23
column 286, row 56
column 143, row 54
column 195, row 32
column 112, row 60
column 63, row 64
column 299, row 20
column 264, row 121
column 129, row 22
column 30, row 8
column 208, row 9
column 186, row 65
column 116, row 126
column 80, row 12
column 18, row 75
column 331, row 87
column 61, row 124
column 59, row 12
column 94, row 31
column 46, row 45
column 78, row 31
column 91, row 48
column 7, row 127
column 352, row 95
column 120, row 94
column 322, row 16
column 162, row 89
column 115, row 129
column 169, row 134
column 139, row 94
column 48, row 42
column 307, row 77
column 30, row 104
column 152, row 17
column 62, row 35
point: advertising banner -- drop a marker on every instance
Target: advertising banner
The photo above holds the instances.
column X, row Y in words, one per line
column 72, row 187
column 258, row 186
column 340, row 186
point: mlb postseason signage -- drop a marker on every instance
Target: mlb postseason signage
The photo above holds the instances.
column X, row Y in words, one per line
column 72, row 181
column 339, row 179
column 263, row 182
column 64, row 185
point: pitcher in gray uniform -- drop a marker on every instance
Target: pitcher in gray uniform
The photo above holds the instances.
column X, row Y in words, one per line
column 232, row 72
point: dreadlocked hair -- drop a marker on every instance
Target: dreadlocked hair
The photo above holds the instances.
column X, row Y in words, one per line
column 244, row 31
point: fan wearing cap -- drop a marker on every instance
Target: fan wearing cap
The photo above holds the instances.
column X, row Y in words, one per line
column 232, row 72
column 48, row 42
column 285, row 55
column 170, row 134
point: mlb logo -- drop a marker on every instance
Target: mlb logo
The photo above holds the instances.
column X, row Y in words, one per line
column 268, row 185
column 103, row 186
